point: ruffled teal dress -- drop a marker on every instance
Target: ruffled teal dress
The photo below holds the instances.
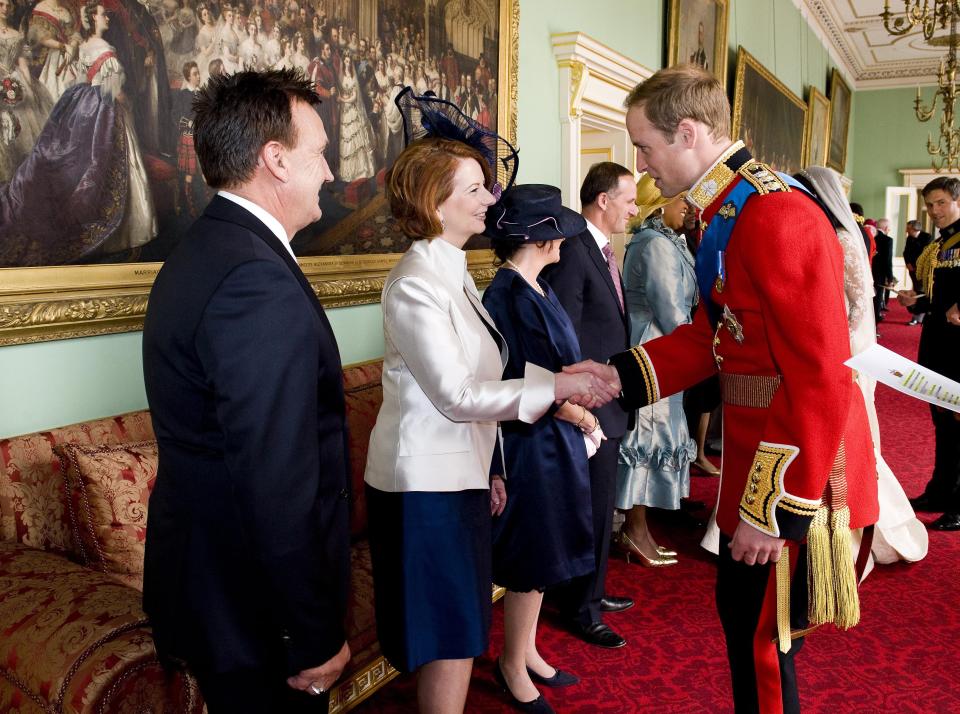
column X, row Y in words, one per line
column 660, row 290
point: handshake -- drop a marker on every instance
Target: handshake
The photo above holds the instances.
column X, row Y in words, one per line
column 587, row 383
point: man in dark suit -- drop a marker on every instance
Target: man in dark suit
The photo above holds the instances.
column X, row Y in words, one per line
column 247, row 553
column 587, row 283
column 882, row 267
column 917, row 240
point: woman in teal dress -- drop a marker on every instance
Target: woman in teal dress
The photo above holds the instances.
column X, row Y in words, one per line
column 660, row 292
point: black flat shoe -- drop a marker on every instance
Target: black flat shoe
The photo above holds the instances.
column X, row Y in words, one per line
column 615, row 604
column 537, row 706
column 560, row 679
column 946, row 522
column 597, row 633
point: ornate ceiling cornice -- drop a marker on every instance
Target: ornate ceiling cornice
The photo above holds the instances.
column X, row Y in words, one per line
column 854, row 35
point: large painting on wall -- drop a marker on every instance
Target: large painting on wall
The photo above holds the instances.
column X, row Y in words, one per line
column 767, row 116
column 839, row 121
column 818, row 128
column 698, row 34
column 98, row 178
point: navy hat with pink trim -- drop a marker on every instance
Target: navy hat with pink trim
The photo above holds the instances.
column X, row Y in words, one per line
column 532, row 212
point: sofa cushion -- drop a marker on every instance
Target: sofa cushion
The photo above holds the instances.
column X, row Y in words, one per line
column 33, row 507
column 74, row 640
column 108, row 489
column 363, row 393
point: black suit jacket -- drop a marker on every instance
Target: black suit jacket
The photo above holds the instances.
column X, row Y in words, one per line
column 913, row 247
column 247, row 552
column 882, row 265
column 584, row 287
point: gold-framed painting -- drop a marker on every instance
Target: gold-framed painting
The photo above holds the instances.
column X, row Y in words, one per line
column 818, row 129
column 48, row 292
column 840, row 100
column 767, row 116
column 698, row 34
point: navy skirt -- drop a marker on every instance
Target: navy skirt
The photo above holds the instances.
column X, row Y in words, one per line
column 431, row 574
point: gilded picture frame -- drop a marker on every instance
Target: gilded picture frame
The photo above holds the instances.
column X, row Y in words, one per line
column 61, row 302
column 840, row 101
column 698, row 33
column 767, row 116
column 818, row 129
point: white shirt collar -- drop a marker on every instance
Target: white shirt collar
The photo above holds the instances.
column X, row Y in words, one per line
column 265, row 217
column 598, row 236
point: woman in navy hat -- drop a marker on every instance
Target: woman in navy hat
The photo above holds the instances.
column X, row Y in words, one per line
column 545, row 534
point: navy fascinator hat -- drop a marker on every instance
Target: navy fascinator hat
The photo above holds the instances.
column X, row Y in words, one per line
column 532, row 212
column 428, row 115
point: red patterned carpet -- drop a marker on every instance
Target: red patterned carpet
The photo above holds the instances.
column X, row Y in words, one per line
column 901, row 658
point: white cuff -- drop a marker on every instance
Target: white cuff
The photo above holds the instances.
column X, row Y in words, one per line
column 538, row 393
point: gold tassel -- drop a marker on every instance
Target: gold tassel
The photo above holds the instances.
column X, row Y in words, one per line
column 844, row 570
column 820, row 579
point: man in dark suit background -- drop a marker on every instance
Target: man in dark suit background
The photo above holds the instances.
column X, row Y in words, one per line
column 882, row 267
column 247, row 552
column 587, row 283
column 917, row 240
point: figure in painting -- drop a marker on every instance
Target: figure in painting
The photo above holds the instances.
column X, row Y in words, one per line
column 26, row 102
column 356, row 135
column 53, row 34
column 86, row 162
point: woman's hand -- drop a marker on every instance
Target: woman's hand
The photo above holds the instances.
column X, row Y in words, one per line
column 585, row 388
column 498, row 495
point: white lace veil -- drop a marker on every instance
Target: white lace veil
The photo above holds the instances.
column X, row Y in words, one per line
column 857, row 278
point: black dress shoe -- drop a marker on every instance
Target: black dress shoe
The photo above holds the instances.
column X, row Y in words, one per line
column 597, row 633
column 946, row 522
column 536, row 706
column 560, row 679
column 615, row 604
column 924, row 503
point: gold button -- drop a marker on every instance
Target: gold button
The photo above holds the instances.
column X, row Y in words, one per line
column 753, row 488
column 749, row 500
column 755, row 478
column 758, row 467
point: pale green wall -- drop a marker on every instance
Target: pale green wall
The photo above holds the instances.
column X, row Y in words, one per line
column 887, row 137
column 631, row 27
column 49, row 384
column 55, row 383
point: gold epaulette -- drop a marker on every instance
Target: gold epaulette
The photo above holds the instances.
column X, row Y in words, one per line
column 763, row 178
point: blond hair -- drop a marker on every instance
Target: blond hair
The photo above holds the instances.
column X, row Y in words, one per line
column 686, row 91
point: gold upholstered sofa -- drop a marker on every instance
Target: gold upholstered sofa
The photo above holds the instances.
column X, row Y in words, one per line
column 73, row 513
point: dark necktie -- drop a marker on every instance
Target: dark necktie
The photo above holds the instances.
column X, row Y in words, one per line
column 614, row 273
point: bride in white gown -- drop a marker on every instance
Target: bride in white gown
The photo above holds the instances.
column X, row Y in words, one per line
column 898, row 534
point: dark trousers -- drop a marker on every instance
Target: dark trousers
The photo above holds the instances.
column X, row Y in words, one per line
column 764, row 679
column 944, row 485
column 580, row 598
column 917, row 288
column 256, row 691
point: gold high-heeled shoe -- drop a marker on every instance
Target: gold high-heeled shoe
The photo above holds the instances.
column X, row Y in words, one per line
column 628, row 548
column 666, row 553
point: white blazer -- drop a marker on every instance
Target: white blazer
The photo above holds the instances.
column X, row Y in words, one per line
column 442, row 388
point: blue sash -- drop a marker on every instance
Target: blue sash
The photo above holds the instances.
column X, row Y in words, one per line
column 713, row 245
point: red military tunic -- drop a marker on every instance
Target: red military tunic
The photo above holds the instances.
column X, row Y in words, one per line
column 792, row 412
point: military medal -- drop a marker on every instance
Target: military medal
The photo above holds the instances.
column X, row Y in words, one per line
column 733, row 325
column 721, row 272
